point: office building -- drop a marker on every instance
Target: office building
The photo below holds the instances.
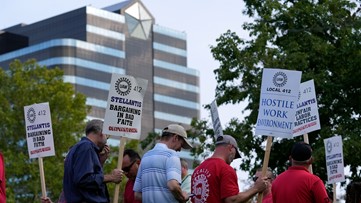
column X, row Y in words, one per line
column 90, row 44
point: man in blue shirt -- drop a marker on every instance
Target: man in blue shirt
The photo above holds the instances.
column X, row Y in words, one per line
column 84, row 180
column 159, row 174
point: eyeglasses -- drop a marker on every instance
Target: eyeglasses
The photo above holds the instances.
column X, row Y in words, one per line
column 127, row 169
column 108, row 136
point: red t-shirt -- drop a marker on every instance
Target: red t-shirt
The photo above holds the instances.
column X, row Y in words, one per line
column 267, row 198
column 129, row 193
column 2, row 179
column 213, row 181
column 297, row 185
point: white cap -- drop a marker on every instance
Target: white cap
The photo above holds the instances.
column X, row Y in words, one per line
column 179, row 130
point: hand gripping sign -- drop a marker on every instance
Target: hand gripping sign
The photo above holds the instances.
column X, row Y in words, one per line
column 123, row 115
column 277, row 107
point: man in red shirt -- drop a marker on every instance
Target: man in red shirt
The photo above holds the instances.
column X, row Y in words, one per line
column 297, row 184
column 2, row 179
column 215, row 181
column 131, row 161
column 267, row 193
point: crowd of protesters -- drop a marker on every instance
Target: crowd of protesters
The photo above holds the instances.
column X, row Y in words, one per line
column 162, row 177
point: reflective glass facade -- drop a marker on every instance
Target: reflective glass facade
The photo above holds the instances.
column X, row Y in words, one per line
column 90, row 44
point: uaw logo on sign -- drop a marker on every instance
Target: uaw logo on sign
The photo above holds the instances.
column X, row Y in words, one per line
column 39, row 132
column 124, row 108
column 123, row 86
column 329, row 146
column 31, row 115
column 280, row 79
column 279, row 93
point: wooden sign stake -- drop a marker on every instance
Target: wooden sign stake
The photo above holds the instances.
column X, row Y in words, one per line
column 42, row 177
column 123, row 140
column 265, row 164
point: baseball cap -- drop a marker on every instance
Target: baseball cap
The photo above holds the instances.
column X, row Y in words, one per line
column 301, row 151
column 227, row 139
column 179, row 130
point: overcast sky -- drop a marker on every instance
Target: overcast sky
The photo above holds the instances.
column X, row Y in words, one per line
column 202, row 20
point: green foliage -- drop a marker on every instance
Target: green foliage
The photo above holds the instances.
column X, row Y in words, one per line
column 319, row 38
column 149, row 142
column 203, row 139
column 23, row 84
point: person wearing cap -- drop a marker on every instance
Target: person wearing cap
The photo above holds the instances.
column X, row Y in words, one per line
column 297, row 184
column 83, row 179
column 159, row 174
column 215, row 181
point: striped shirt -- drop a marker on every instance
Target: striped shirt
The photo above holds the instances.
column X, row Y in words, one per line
column 158, row 166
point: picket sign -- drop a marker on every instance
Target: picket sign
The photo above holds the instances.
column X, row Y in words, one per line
column 123, row 114
column 277, row 108
column 217, row 127
column 334, row 161
column 39, row 136
column 307, row 118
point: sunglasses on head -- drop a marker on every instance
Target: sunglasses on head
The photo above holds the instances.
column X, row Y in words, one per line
column 127, row 169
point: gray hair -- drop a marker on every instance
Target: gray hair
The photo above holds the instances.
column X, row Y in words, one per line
column 184, row 163
column 94, row 126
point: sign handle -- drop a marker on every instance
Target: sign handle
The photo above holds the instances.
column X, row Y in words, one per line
column 265, row 164
column 123, row 140
column 334, row 192
column 305, row 139
column 42, row 176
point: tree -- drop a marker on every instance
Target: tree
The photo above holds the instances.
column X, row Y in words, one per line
column 23, row 84
column 319, row 38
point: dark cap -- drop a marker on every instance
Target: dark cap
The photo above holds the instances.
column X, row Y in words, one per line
column 301, row 151
column 227, row 139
